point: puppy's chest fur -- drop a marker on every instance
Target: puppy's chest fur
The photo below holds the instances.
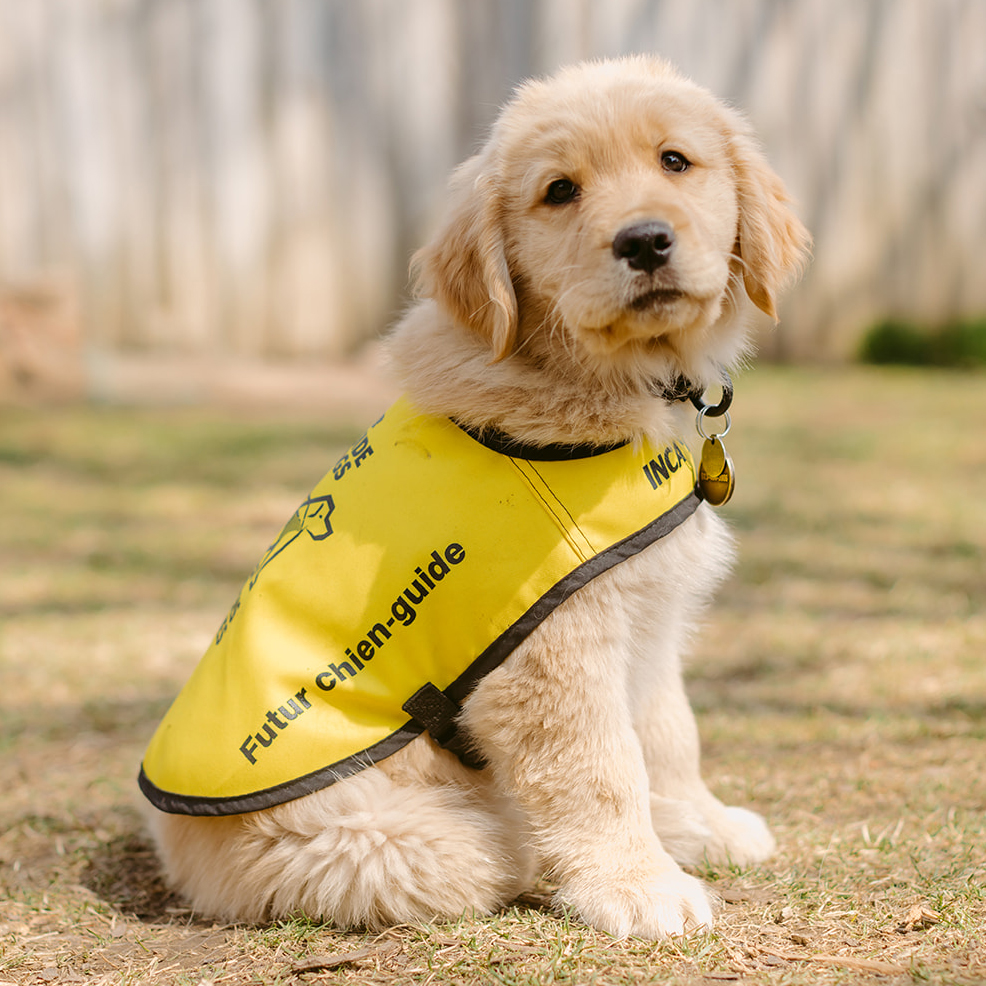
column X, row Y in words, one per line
column 665, row 591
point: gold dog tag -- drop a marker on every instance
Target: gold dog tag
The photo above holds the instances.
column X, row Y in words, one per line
column 715, row 472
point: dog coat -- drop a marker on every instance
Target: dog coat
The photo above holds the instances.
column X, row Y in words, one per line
column 420, row 561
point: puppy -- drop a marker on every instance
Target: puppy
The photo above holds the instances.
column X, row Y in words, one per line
column 598, row 251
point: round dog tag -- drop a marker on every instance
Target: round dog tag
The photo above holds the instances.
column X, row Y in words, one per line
column 715, row 473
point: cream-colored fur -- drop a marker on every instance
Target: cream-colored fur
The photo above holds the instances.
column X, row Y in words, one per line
column 531, row 323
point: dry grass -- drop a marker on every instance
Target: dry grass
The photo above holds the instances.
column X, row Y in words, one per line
column 840, row 686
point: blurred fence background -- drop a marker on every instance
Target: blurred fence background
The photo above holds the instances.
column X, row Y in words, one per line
column 247, row 178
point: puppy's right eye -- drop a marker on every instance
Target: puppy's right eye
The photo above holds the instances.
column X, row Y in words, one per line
column 560, row 191
column 675, row 161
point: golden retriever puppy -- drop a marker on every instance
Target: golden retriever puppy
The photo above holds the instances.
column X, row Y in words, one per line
column 598, row 251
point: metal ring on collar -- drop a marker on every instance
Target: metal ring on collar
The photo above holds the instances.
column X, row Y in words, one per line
column 710, row 411
column 715, row 410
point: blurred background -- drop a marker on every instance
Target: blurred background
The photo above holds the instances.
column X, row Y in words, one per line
column 193, row 188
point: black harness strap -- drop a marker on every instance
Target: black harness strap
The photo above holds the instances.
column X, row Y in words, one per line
column 432, row 708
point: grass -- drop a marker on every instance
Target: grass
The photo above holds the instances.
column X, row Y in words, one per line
column 840, row 689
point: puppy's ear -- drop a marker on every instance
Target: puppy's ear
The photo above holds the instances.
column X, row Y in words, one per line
column 772, row 243
column 464, row 268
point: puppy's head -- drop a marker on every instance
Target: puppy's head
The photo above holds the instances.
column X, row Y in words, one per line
column 622, row 208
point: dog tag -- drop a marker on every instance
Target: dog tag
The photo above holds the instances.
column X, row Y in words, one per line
column 715, row 473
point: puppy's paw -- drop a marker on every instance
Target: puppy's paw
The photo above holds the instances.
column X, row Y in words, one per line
column 741, row 837
column 671, row 903
column 691, row 835
column 682, row 829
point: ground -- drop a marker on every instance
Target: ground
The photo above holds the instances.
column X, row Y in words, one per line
column 840, row 687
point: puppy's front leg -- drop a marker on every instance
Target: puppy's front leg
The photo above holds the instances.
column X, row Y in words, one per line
column 554, row 723
column 693, row 823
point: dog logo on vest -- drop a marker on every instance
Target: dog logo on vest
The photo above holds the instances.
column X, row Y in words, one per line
column 312, row 517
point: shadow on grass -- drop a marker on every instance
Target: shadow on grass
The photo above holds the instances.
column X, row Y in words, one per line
column 125, row 873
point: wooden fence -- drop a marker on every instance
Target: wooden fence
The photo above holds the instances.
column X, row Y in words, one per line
column 248, row 177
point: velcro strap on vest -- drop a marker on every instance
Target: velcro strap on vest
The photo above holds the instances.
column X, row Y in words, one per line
column 432, row 708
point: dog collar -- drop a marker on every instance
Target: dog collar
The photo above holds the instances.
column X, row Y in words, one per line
column 503, row 444
column 682, row 389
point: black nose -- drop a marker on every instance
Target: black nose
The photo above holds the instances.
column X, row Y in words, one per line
column 645, row 246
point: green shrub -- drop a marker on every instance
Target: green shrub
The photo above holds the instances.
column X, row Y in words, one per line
column 895, row 341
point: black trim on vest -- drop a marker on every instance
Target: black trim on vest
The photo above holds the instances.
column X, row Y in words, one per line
column 513, row 636
column 431, row 703
column 181, row 804
column 440, row 709
column 502, row 443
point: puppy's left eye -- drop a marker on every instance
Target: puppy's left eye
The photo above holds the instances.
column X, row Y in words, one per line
column 675, row 161
column 560, row 191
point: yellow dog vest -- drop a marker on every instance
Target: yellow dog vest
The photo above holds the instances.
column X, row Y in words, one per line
column 415, row 567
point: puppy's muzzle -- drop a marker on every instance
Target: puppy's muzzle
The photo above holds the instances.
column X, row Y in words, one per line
column 645, row 246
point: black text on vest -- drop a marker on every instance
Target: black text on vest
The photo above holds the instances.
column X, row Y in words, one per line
column 667, row 463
